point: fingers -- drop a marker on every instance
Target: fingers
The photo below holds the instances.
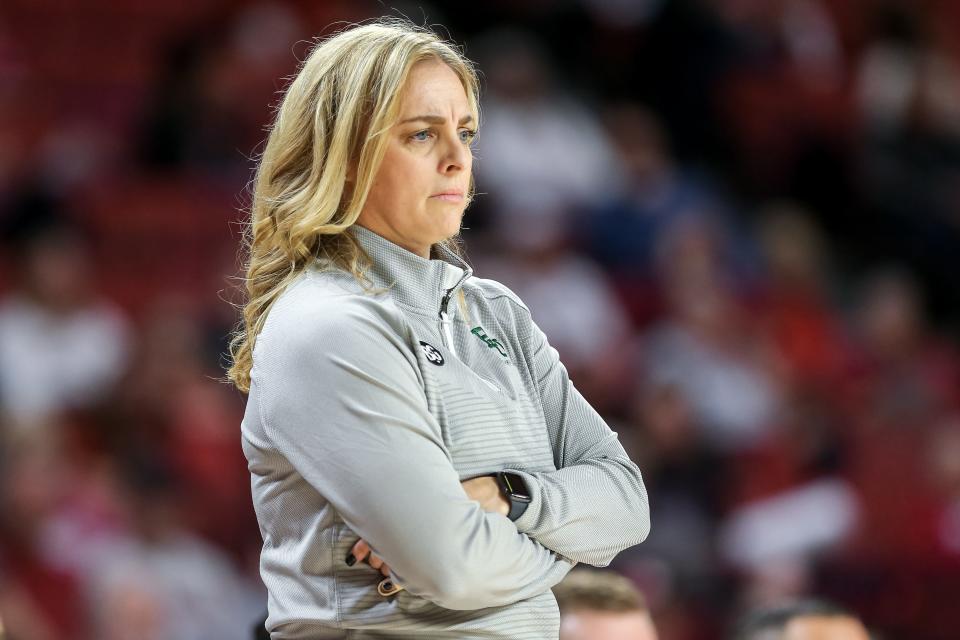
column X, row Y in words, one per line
column 361, row 551
column 377, row 562
column 383, row 566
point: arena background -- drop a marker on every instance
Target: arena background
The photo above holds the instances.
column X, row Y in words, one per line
column 737, row 220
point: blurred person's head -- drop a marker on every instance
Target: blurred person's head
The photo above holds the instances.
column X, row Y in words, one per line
column 36, row 478
column 129, row 609
column 889, row 69
column 52, row 260
column 891, row 315
column 641, row 142
column 942, row 450
column 532, row 228
column 665, row 413
column 237, row 79
column 757, row 17
column 262, row 31
column 171, row 342
column 517, row 65
column 602, row 605
column 152, row 495
column 693, row 275
column 689, row 252
column 793, row 246
column 801, row 620
column 375, row 130
column 167, row 363
column 769, row 578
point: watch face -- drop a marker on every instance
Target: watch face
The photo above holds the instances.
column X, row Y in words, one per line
column 515, row 486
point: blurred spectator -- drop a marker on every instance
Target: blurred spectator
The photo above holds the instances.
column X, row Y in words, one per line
column 908, row 371
column 685, row 481
column 601, row 605
column 654, row 193
column 783, row 97
column 907, row 381
column 40, row 597
column 706, row 345
column 797, row 307
column 169, row 409
column 61, row 346
column 777, row 537
column 210, row 104
column 942, row 453
column 801, row 620
column 808, row 441
column 908, row 85
column 540, row 150
column 906, row 77
column 622, row 230
column 161, row 582
column 800, row 462
column 753, row 385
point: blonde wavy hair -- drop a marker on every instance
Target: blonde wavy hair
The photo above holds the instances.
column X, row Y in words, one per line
column 332, row 118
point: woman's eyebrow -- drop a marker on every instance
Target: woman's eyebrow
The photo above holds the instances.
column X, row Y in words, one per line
column 432, row 119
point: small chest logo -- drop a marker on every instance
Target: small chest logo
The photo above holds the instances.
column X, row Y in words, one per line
column 493, row 343
column 433, row 355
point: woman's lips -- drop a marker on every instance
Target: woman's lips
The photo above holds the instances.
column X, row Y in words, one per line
column 448, row 196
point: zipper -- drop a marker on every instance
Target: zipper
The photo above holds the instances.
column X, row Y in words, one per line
column 445, row 322
column 445, row 325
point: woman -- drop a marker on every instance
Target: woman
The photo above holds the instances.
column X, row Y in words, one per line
column 405, row 419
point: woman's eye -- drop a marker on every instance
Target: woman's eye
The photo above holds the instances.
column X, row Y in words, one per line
column 466, row 135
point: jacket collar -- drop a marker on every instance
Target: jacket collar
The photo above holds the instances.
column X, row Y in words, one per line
column 414, row 281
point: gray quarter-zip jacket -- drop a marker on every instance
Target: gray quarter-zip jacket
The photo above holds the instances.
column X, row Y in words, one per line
column 367, row 410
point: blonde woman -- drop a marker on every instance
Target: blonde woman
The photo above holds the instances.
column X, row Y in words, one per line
column 421, row 465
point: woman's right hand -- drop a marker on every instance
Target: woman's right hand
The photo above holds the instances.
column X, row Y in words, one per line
column 360, row 552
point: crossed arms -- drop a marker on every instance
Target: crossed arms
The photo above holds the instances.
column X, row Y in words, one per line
column 386, row 471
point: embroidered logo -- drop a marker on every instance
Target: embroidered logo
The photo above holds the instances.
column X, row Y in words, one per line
column 433, row 355
column 493, row 343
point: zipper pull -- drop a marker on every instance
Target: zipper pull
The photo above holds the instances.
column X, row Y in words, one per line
column 447, row 335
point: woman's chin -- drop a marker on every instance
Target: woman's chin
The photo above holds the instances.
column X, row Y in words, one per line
column 452, row 226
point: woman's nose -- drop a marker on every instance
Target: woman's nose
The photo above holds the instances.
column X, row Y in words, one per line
column 456, row 156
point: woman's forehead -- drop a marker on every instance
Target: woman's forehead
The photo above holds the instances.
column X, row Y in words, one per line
column 434, row 89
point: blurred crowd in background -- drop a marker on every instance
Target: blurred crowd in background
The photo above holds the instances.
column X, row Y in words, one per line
column 737, row 220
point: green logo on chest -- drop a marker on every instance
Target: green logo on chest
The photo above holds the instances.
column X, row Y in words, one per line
column 493, row 343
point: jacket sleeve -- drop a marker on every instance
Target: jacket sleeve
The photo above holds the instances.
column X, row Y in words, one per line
column 595, row 504
column 343, row 400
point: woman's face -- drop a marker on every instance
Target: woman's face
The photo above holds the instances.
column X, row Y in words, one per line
column 420, row 191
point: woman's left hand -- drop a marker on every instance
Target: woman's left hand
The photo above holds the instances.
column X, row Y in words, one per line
column 485, row 491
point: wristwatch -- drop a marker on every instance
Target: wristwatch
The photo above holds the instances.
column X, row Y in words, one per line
column 514, row 489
